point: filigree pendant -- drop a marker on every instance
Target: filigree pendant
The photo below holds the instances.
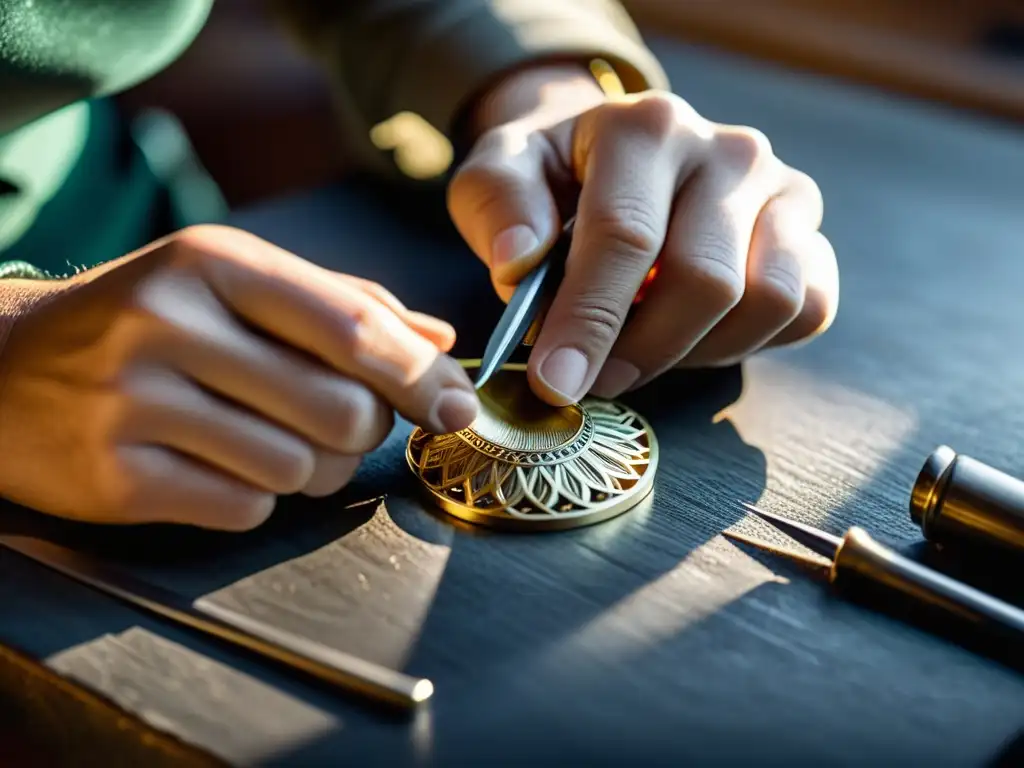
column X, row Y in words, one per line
column 525, row 464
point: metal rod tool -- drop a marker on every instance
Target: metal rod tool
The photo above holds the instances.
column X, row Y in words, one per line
column 329, row 665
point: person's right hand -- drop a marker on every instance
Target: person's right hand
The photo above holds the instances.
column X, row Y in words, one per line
column 198, row 379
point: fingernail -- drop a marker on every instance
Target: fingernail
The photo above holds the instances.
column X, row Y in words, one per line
column 564, row 371
column 615, row 378
column 513, row 244
column 454, row 409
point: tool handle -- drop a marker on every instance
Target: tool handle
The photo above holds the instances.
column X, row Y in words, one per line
column 872, row 573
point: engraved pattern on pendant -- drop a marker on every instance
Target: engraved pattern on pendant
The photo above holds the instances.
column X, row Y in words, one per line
column 606, row 459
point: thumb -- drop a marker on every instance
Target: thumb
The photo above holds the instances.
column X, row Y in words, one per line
column 501, row 204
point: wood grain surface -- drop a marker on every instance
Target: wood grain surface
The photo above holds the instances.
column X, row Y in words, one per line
column 649, row 639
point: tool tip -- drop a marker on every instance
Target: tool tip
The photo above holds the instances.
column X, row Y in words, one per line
column 422, row 690
column 769, row 517
column 757, row 510
column 823, row 543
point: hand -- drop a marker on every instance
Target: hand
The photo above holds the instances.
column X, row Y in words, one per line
column 194, row 381
column 741, row 264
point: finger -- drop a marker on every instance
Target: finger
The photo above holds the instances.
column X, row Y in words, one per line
column 288, row 388
column 775, row 287
column 702, row 270
column 804, row 200
column 157, row 485
column 166, row 410
column 345, row 328
column 435, row 330
column 821, row 299
column 333, row 472
column 440, row 333
column 629, row 173
column 501, row 204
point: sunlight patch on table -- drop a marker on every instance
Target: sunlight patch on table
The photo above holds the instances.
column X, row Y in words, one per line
column 708, row 579
column 368, row 593
column 823, row 442
column 192, row 697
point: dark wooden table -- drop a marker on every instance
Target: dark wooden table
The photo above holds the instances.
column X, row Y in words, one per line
column 651, row 638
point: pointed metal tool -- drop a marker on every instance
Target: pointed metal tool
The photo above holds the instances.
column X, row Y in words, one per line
column 346, row 672
column 825, row 544
column 525, row 306
column 815, row 563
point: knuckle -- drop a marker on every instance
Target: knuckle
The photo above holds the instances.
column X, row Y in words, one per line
column 209, row 250
column 132, row 395
column 802, row 187
column 333, row 473
column 713, row 271
column 116, row 414
column 485, row 179
column 479, row 192
column 194, row 237
column 125, row 485
column 628, row 228
column 781, row 290
column 600, row 316
column 187, row 248
column 197, row 239
column 376, row 291
column 356, row 322
column 805, row 184
column 656, row 115
column 138, row 335
column 743, row 148
column 251, row 508
column 478, row 170
column 359, row 421
column 379, row 291
column 816, row 315
column 293, row 466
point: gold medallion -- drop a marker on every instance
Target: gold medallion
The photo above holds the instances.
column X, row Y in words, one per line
column 527, row 465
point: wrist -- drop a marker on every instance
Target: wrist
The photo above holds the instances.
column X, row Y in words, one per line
column 19, row 296
column 549, row 87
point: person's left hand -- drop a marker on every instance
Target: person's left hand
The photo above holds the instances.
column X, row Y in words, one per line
column 741, row 264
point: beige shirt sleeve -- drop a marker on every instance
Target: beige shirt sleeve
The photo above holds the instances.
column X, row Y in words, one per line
column 430, row 57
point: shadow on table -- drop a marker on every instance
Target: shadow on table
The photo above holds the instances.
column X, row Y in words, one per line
column 1011, row 755
column 393, row 582
column 465, row 605
column 698, row 455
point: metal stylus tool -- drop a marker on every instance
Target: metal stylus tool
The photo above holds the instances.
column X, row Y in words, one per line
column 877, row 575
column 521, row 320
column 525, row 306
column 327, row 664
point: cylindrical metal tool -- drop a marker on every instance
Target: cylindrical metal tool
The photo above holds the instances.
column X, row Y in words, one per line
column 878, row 576
column 958, row 500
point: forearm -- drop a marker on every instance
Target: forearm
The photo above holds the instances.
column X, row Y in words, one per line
column 433, row 57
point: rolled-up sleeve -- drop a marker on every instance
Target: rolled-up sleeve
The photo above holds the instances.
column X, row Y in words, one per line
column 430, row 57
